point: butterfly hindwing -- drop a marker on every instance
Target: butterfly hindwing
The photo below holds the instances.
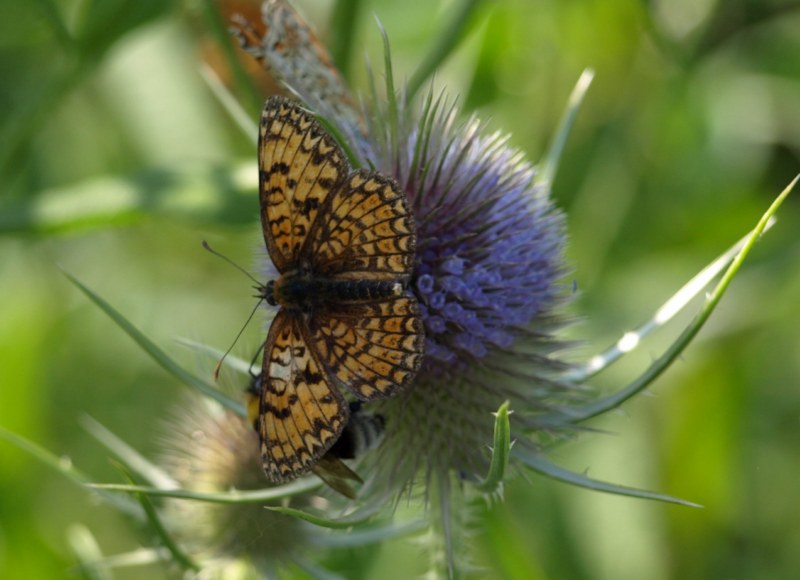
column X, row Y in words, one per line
column 373, row 348
column 301, row 413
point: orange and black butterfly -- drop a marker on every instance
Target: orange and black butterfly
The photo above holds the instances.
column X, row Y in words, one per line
column 343, row 242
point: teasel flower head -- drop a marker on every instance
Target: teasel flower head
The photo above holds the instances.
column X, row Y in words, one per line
column 208, row 449
column 488, row 277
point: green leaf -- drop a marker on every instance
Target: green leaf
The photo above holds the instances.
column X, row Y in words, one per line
column 87, row 552
column 298, row 487
column 493, row 482
column 675, row 304
column 63, row 465
column 553, row 471
column 604, row 404
column 160, row 356
column 131, row 458
column 448, row 37
column 372, row 535
column 178, row 555
column 344, row 21
column 334, row 524
column 550, row 165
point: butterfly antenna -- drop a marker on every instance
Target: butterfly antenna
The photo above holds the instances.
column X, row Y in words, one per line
column 232, row 263
column 235, row 340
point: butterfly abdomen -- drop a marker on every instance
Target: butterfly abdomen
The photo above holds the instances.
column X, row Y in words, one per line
column 304, row 292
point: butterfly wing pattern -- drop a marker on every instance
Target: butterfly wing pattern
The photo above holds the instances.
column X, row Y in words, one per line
column 343, row 242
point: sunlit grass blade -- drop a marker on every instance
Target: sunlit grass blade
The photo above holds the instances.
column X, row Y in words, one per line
column 449, row 36
column 594, row 408
column 134, row 558
column 158, row 355
column 191, row 192
column 493, row 483
column 677, row 302
column 176, row 552
column 87, row 552
column 64, row 466
column 298, row 487
column 547, row 170
column 230, row 103
column 131, row 458
column 541, row 465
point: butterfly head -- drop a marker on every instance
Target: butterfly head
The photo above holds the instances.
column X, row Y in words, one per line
column 267, row 292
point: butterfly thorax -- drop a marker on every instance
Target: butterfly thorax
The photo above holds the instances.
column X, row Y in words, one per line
column 302, row 290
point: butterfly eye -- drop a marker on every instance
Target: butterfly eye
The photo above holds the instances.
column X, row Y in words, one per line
column 269, row 293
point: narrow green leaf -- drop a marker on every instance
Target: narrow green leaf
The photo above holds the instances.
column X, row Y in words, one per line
column 87, row 552
column 550, row 165
column 178, row 555
column 131, row 458
column 63, row 465
column 228, row 497
column 493, row 483
column 231, row 104
column 344, row 22
column 391, row 93
column 545, row 467
column 371, row 535
column 53, row 16
column 446, row 40
column 160, row 356
column 675, row 304
column 139, row 557
column 582, row 413
column 337, row 524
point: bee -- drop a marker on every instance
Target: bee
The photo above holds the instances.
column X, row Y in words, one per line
column 362, row 432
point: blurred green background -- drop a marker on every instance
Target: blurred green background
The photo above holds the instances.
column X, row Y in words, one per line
column 116, row 161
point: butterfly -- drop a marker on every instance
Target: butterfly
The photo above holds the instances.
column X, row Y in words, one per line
column 343, row 242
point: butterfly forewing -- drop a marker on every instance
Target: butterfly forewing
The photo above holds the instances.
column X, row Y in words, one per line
column 301, row 413
column 367, row 232
column 300, row 165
